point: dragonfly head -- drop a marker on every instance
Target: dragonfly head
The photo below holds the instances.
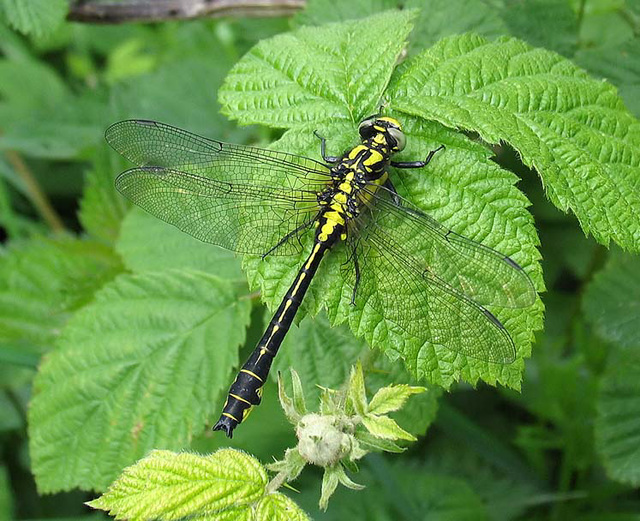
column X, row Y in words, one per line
column 389, row 129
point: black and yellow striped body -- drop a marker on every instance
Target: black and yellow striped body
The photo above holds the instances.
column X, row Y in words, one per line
column 341, row 202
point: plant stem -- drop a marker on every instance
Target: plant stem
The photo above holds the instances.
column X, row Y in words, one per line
column 37, row 196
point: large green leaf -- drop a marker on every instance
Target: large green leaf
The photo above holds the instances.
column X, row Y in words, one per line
column 575, row 131
column 42, row 281
column 618, row 421
column 148, row 244
column 337, row 72
column 101, row 207
column 139, row 368
column 36, row 17
column 612, row 301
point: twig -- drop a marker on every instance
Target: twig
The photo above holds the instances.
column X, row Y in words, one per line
column 110, row 12
column 36, row 195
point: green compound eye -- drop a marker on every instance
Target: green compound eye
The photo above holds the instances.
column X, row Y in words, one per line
column 400, row 138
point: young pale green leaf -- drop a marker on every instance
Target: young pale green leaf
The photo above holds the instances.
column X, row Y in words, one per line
column 42, row 280
column 322, row 355
column 137, row 369
column 617, row 426
column 384, row 427
column 612, row 301
column 35, row 17
column 298, row 393
column 371, row 443
column 101, row 207
column 290, row 411
column 392, row 398
column 574, row 130
column 330, row 481
column 335, row 72
column 168, row 486
column 356, row 392
column 278, row 507
column 141, row 250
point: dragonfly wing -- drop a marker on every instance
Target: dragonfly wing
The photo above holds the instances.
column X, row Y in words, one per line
column 483, row 274
column 396, row 285
column 150, row 143
column 249, row 219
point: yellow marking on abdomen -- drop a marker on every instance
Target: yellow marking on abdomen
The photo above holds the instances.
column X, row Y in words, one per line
column 231, row 416
column 251, row 373
column 239, row 398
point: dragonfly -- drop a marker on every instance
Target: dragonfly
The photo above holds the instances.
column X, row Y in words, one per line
column 427, row 281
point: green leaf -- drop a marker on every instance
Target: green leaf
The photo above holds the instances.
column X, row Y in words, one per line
column 141, row 250
column 318, row 12
column 336, row 72
column 384, row 427
column 620, row 64
column 278, row 507
column 42, row 281
column 330, row 481
column 440, row 18
column 322, row 355
column 581, row 139
column 612, row 301
column 139, row 368
column 618, row 421
column 420, row 411
column 543, row 23
column 356, row 392
column 392, row 398
column 101, row 207
column 35, row 17
column 167, row 485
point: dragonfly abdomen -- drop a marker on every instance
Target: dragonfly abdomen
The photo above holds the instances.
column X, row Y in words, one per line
column 246, row 390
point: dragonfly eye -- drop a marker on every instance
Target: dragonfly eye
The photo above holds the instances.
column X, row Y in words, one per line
column 399, row 137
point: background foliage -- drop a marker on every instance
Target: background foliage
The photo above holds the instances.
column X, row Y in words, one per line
column 84, row 281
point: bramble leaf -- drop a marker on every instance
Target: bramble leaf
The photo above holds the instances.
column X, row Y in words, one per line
column 141, row 249
column 336, row 72
column 384, row 427
column 42, row 281
column 169, row 486
column 37, row 17
column 617, row 426
column 139, row 368
column 392, row 398
column 574, row 130
column 278, row 507
column 462, row 188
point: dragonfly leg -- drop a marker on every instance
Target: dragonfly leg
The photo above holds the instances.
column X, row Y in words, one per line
column 394, row 194
column 417, row 164
column 323, row 149
column 289, row 235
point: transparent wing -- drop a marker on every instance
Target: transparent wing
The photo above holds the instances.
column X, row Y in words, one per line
column 150, row 143
column 395, row 284
column 242, row 218
column 246, row 199
column 486, row 276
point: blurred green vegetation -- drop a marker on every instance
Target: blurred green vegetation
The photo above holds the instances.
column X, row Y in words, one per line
column 567, row 446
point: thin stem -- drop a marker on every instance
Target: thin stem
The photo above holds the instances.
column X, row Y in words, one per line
column 37, row 196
